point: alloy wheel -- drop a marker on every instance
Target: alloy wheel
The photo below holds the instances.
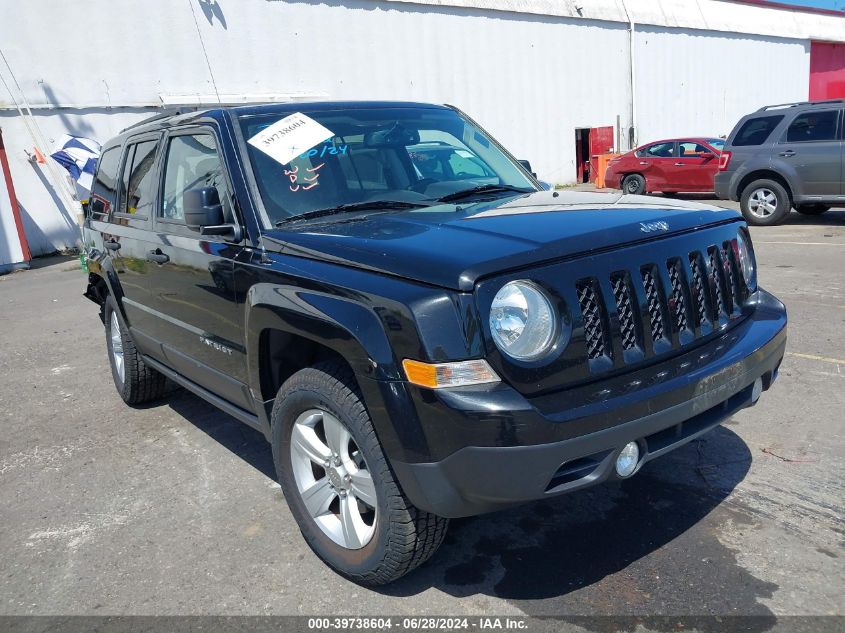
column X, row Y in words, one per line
column 762, row 203
column 332, row 479
column 117, row 346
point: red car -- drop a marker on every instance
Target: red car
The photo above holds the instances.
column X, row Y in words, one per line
column 670, row 166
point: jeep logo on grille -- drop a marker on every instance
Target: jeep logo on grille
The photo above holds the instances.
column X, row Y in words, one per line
column 650, row 227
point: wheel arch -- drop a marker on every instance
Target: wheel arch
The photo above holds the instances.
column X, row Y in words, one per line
column 763, row 174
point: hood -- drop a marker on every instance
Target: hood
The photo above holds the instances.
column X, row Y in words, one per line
column 453, row 246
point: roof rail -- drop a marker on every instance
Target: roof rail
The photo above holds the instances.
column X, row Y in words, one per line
column 801, row 103
column 157, row 117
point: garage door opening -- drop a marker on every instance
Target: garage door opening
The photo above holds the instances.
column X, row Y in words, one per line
column 582, row 154
column 589, row 143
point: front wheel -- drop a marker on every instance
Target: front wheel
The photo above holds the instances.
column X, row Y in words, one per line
column 633, row 184
column 765, row 203
column 338, row 484
column 812, row 209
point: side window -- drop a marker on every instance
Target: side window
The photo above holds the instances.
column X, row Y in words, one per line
column 756, row 131
column 658, row 150
column 689, row 149
column 104, row 188
column 813, row 126
column 137, row 180
column 192, row 162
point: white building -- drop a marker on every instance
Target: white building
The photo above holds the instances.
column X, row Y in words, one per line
column 530, row 71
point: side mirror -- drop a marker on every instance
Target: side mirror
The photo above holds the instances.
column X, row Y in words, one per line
column 527, row 166
column 707, row 156
column 202, row 207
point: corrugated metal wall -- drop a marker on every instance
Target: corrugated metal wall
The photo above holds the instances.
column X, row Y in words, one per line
column 529, row 78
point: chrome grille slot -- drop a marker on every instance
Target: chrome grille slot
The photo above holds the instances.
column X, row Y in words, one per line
column 699, row 291
column 716, row 281
column 677, row 301
column 593, row 328
column 625, row 310
column 727, row 264
column 655, row 310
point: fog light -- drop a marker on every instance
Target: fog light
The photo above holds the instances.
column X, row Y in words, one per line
column 627, row 461
column 756, row 390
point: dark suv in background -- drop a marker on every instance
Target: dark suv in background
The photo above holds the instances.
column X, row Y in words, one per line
column 785, row 156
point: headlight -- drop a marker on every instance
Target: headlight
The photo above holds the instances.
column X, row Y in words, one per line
column 746, row 259
column 522, row 320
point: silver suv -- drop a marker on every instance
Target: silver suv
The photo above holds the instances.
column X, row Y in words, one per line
column 784, row 156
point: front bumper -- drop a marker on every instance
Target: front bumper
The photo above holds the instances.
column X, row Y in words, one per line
column 684, row 397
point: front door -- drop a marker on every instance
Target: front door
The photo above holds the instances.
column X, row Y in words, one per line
column 199, row 324
column 811, row 151
column 694, row 169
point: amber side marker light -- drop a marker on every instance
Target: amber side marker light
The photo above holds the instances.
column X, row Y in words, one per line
column 439, row 375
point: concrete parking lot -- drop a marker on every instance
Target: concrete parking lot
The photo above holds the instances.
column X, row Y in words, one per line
column 173, row 508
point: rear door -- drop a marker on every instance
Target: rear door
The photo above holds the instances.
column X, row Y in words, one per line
column 198, row 324
column 125, row 232
column 694, row 168
column 656, row 162
column 810, row 151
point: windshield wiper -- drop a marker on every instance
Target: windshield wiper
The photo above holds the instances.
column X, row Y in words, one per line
column 353, row 206
column 466, row 193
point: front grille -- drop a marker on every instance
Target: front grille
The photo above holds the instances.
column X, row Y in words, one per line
column 593, row 329
column 696, row 293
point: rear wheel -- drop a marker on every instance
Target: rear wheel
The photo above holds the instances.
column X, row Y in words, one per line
column 136, row 382
column 765, row 203
column 633, row 184
column 812, row 209
column 338, row 484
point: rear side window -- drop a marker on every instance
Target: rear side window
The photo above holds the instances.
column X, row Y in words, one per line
column 756, row 131
column 658, row 150
column 813, row 126
column 105, row 184
column 137, row 179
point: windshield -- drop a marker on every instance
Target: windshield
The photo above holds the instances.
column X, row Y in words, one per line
column 412, row 155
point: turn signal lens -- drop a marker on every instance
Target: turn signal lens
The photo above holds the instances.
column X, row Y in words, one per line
column 439, row 375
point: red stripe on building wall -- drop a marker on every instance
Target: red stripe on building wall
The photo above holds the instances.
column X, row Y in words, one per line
column 827, row 71
column 16, row 212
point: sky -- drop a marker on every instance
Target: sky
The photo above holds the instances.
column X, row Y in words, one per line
column 822, row 4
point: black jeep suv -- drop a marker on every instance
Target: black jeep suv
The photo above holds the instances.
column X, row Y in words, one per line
column 416, row 346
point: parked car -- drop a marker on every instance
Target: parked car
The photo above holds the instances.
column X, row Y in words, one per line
column 670, row 166
column 785, row 156
column 416, row 349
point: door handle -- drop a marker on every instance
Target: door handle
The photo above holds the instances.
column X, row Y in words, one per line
column 787, row 153
column 679, row 164
column 112, row 245
column 642, row 162
column 158, row 257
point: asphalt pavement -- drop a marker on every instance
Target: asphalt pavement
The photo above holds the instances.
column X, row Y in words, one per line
column 173, row 508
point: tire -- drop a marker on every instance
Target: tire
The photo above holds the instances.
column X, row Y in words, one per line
column 812, row 209
column 633, row 184
column 765, row 203
column 379, row 540
column 135, row 381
